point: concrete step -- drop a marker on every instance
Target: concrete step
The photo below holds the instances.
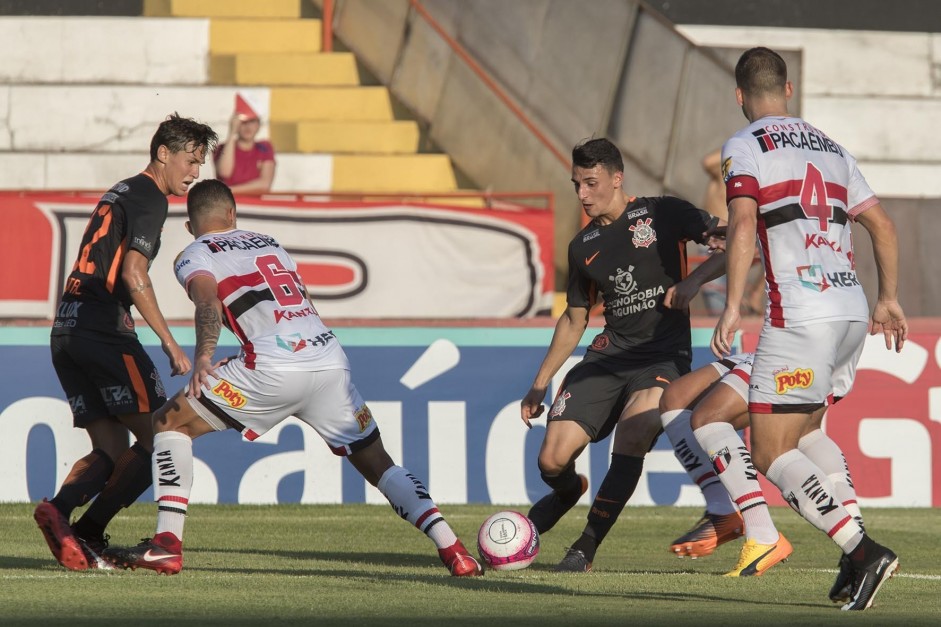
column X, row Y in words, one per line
column 284, row 69
column 394, row 173
column 393, row 137
column 104, row 118
column 295, row 173
column 69, row 55
column 241, row 35
column 296, row 104
column 222, row 8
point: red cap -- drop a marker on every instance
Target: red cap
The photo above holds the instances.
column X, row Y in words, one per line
column 244, row 110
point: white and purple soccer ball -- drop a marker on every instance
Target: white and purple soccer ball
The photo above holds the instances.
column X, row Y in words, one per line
column 508, row 541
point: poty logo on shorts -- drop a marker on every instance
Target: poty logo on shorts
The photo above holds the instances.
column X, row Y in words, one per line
column 789, row 380
column 559, row 405
column 363, row 417
column 232, row 396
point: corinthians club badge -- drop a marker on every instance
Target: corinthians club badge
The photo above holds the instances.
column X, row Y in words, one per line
column 644, row 234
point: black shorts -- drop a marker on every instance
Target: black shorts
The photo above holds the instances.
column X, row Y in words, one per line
column 102, row 379
column 594, row 396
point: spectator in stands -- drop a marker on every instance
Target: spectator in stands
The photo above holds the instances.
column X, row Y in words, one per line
column 242, row 163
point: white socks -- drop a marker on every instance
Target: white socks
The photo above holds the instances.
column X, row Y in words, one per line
column 733, row 465
column 172, row 465
column 410, row 499
column 807, row 489
column 824, row 452
column 695, row 461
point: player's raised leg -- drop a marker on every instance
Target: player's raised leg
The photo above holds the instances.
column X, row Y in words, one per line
column 411, row 500
column 721, row 522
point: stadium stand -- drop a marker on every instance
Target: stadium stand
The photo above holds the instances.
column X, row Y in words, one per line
column 77, row 113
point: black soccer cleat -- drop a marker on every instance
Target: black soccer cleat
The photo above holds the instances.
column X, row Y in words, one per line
column 842, row 588
column 92, row 548
column 573, row 562
column 868, row 579
column 548, row 510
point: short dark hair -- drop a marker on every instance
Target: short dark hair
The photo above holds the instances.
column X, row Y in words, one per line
column 179, row 133
column 760, row 70
column 598, row 151
column 207, row 197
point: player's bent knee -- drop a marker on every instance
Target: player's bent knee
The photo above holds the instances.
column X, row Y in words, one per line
column 552, row 464
column 372, row 462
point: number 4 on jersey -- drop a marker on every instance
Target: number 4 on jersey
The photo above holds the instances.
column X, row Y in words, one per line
column 814, row 197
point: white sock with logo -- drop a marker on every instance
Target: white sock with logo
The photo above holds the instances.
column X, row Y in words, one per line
column 733, row 465
column 410, row 500
column 823, row 451
column 172, row 465
column 806, row 488
column 695, row 461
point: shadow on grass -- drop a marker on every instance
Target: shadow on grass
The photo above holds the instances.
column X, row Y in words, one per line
column 492, row 581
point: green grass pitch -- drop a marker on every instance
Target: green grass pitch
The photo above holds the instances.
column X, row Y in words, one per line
column 361, row 564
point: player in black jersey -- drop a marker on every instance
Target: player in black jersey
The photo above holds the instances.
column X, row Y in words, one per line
column 631, row 256
column 111, row 383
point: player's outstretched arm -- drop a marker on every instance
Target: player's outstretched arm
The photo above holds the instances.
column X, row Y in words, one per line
column 568, row 331
column 137, row 279
column 740, row 250
column 887, row 316
column 679, row 295
column 203, row 292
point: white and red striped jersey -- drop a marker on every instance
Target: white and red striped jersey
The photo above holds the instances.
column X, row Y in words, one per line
column 808, row 189
column 264, row 301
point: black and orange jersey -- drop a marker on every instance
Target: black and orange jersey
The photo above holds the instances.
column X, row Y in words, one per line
column 129, row 216
column 630, row 264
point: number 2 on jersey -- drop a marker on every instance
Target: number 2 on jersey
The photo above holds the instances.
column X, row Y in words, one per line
column 84, row 263
column 814, row 197
column 280, row 280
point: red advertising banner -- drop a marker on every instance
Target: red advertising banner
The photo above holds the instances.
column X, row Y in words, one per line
column 359, row 259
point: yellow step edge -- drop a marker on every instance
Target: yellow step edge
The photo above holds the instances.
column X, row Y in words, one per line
column 284, row 69
column 296, row 104
column 235, row 35
column 222, row 8
column 397, row 173
column 346, row 137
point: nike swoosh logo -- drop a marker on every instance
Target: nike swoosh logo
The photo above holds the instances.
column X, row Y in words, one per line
column 148, row 557
column 588, row 260
column 662, row 380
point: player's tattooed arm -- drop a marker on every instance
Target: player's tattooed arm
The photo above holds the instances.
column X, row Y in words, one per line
column 140, row 286
column 203, row 291
column 208, row 326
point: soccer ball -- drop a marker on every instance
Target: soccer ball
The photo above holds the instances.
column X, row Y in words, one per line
column 508, row 541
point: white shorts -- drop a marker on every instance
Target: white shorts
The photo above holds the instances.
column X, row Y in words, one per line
column 735, row 371
column 253, row 401
column 801, row 369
